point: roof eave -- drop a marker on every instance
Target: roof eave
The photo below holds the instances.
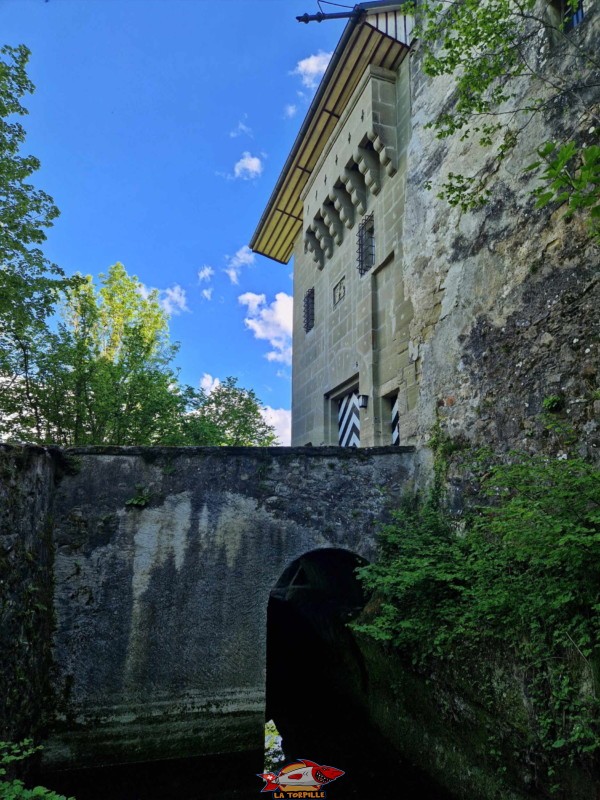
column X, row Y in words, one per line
column 312, row 109
column 262, row 241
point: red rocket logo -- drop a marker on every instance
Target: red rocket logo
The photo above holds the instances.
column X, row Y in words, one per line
column 301, row 776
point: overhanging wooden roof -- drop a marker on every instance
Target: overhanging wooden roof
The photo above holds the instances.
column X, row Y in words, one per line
column 377, row 33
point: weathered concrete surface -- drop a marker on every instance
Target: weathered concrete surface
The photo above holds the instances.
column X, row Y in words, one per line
column 165, row 559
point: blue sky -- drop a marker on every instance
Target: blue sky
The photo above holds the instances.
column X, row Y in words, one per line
column 162, row 126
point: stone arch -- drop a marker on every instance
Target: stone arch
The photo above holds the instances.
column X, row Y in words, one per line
column 325, row 569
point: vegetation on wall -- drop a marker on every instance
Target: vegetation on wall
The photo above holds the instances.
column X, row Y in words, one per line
column 25, row 597
column 488, row 49
column 514, row 581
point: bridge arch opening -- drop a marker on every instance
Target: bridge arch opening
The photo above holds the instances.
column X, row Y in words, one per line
column 323, row 690
column 315, row 670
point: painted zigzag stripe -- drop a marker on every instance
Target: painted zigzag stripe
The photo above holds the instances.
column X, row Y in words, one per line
column 396, row 422
column 349, row 421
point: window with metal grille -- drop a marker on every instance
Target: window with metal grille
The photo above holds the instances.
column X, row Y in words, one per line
column 309, row 310
column 365, row 245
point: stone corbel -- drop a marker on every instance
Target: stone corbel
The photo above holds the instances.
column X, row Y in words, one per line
column 368, row 164
column 311, row 245
column 386, row 154
column 343, row 205
column 334, row 224
column 322, row 233
column 354, row 183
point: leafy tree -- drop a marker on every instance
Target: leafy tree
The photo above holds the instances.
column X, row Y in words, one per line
column 28, row 281
column 104, row 373
column 105, row 376
column 489, row 48
column 237, row 414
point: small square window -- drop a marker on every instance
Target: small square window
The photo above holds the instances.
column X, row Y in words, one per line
column 309, row 310
column 339, row 291
column 365, row 245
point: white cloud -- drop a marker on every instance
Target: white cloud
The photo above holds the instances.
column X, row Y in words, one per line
column 243, row 258
column 271, row 322
column 248, row 167
column 241, row 129
column 290, row 111
column 207, row 293
column 208, row 384
column 311, row 69
column 252, row 301
column 281, row 420
column 173, row 300
column 206, row 273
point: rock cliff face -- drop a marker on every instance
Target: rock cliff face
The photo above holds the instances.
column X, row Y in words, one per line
column 505, row 298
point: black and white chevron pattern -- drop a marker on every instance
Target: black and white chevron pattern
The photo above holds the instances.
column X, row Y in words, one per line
column 395, row 422
column 349, row 421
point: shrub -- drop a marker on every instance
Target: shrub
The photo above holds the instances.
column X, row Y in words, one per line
column 14, row 789
column 520, row 577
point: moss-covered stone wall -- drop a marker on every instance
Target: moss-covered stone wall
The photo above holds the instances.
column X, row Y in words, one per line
column 27, row 477
column 470, row 731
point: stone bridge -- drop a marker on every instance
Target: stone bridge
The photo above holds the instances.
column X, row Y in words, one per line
column 164, row 562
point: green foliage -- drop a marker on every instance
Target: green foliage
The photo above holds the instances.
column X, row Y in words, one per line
column 443, row 447
column 553, row 402
column 418, row 579
column 141, row 498
column 571, row 175
column 28, row 281
column 105, row 376
column 487, row 49
column 14, row 789
column 520, row 576
column 274, row 755
column 236, row 413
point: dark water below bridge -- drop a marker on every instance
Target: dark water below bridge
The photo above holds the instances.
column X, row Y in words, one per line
column 371, row 773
